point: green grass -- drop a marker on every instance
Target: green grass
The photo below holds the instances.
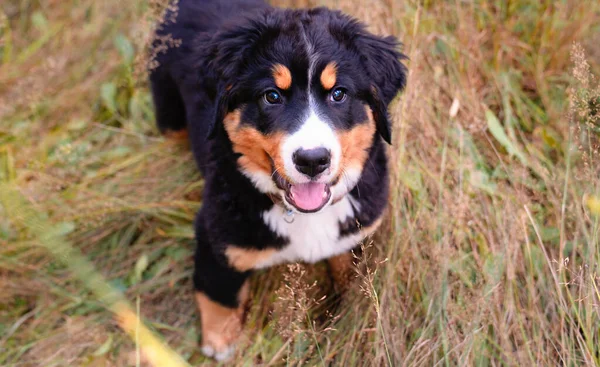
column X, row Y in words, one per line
column 489, row 254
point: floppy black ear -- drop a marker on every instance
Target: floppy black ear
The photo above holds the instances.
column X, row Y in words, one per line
column 221, row 60
column 383, row 63
column 221, row 107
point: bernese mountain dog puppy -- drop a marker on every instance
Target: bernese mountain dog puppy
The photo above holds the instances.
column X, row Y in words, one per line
column 286, row 113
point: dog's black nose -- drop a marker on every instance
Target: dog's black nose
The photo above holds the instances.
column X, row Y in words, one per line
column 311, row 162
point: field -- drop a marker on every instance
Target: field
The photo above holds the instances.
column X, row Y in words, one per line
column 489, row 254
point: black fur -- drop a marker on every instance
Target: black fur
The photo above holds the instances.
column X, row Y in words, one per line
column 222, row 65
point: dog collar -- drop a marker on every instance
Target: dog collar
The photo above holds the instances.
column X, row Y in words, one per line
column 289, row 212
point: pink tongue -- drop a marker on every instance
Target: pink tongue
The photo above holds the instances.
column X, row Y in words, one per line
column 308, row 196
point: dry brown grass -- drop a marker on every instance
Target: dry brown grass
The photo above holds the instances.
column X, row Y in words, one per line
column 489, row 255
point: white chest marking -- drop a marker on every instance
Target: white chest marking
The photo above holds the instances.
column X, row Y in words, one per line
column 312, row 237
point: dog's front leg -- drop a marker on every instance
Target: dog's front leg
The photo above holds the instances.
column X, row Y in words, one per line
column 341, row 269
column 221, row 294
column 221, row 324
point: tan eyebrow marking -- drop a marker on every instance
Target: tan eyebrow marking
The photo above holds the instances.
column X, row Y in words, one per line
column 282, row 76
column 329, row 75
column 259, row 152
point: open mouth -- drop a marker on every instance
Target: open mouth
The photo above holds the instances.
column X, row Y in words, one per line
column 306, row 197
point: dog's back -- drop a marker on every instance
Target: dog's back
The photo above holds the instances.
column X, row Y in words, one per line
column 176, row 81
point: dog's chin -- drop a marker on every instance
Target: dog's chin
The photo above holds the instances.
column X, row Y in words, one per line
column 309, row 197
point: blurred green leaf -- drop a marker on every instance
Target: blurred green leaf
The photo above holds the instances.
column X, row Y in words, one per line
column 61, row 229
column 118, row 284
column 550, row 234
column 125, row 48
column 6, row 46
column 108, row 93
column 481, row 180
column 105, row 347
column 135, row 109
column 118, row 152
column 551, row 137
column 77, row 125
column 7, row 166
column 35, row 46
column 39, row 21
column 177, row 253
column 183, row 231
column 494, row 267
column 412, row 179
column 158, row 267
column 140, row 267
column 498, row 132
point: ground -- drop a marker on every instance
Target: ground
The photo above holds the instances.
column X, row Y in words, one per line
column 489, row 253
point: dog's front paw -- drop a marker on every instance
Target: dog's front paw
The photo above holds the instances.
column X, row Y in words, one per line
column 220, row 343
column 221, row 327
column 221, row 355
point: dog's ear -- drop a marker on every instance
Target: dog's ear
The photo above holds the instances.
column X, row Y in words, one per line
column 222, row 59
column 221, row 107
column 383, row 63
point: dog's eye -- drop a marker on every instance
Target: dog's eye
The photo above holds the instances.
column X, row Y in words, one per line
column 272, row 97
column 338, row 95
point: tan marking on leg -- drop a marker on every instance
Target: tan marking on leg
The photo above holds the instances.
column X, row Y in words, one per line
column 245, row 259
column 282, row 76
column 221, row 325
column 340, row 267
column 329, row 75
column 257, row 149
column 356, row 143
column 179, row 135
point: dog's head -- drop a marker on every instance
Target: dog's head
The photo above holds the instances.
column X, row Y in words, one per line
column 302, row 95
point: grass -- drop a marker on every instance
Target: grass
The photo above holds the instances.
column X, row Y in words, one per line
column 489, row 254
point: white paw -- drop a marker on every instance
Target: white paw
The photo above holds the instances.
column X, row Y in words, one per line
column 208, row 351
column 220, row 356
